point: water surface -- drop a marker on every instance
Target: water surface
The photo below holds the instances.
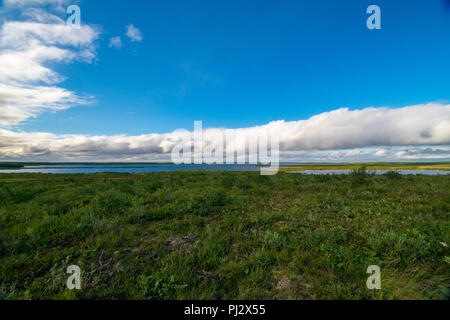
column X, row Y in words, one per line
column 128, row 168
column 142, row 168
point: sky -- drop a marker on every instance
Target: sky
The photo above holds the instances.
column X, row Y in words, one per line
column 135, row 71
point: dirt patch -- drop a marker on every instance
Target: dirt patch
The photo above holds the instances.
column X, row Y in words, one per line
column 293, row 287
column 181, row 243
column 284, row 284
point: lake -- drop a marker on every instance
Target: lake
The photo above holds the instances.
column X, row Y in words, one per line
column 142, row 168
column 128, row 168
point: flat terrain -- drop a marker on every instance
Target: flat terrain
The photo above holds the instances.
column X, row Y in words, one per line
column 445, row 166
column 224, row 235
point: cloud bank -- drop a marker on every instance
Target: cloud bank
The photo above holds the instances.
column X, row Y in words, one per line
column 28, row 46
column 413, row 132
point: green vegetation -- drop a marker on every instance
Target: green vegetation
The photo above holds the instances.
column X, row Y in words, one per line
column 11, row 165
column 444, row 166
column 224, row 235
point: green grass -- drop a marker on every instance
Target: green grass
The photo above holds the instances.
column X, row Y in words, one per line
column 440, row 166
column 10, row 165
column 224, row 235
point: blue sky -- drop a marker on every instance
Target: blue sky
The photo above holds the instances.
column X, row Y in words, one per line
column 245, row 63
column 239, row 64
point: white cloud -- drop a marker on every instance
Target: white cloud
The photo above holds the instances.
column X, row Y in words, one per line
column 115, row 42
column 340, row 129
column 412, row 132
column 40, row 3
column 17, row 35
column 19, row 103
column 31, row 2
column 27, row 83
column 134, row 33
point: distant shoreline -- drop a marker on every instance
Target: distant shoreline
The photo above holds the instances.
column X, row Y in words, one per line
column 284, row 167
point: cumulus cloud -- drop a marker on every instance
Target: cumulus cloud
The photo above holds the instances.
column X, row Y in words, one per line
column 20, row 103
column 55, row 5
column 413, row 132
column 27, row 48
column 32, row 2
column 412, row 153
column 341, row 129
column 115, row 42
column 134, row 33
column 424, row 153
column 23, row 3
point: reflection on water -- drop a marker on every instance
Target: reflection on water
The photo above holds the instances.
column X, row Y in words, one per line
column 142, row 168
column 131, row 168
